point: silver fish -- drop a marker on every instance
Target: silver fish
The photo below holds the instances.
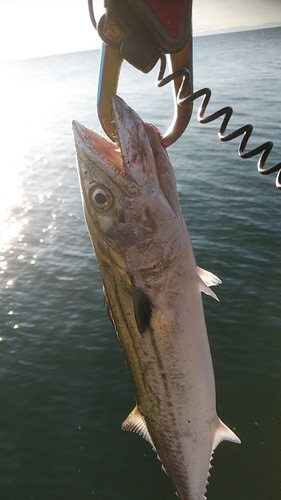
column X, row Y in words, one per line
column 152, row 289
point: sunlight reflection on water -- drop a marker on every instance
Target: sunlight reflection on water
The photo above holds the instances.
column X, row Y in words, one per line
column 16, row 117
column 11, row 196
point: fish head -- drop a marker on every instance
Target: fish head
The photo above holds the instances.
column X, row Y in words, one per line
column 129, row 192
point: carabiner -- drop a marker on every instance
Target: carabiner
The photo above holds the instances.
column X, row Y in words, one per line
column 143, row 34
column 110, row 66
column 182, row 114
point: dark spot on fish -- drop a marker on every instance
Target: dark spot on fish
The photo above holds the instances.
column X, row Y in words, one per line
column 142, row 309
column 121, row 218
column 85, row 172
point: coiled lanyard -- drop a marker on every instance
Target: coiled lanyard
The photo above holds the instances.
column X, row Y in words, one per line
column 144, row 32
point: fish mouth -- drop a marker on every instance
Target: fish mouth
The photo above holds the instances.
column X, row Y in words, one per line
column 132, row 158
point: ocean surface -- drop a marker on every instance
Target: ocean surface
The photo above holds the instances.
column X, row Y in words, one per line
column 64, row 389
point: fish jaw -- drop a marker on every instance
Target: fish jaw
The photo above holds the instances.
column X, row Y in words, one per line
column 135, row 161
column 129, row 192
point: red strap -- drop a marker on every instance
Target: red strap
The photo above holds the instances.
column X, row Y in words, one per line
column 169, row 13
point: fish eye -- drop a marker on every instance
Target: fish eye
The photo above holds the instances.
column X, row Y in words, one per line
column 101, row 198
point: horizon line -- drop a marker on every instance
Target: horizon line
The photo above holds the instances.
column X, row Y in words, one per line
column 196, row 34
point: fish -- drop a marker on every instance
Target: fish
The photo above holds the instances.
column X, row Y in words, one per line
column 152, row 289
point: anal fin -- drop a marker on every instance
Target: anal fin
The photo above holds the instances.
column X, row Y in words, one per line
column 223, row 433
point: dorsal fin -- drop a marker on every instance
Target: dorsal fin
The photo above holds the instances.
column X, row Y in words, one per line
column 109, row 311
column 136, row 423
column 207, row 279
column 223, row 433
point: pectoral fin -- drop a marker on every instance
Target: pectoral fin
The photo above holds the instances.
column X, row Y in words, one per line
column 142, row 309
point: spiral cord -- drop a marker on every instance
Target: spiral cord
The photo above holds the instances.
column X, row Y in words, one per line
column 184, row 97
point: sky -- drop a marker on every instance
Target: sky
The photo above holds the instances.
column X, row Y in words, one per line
column 33, row 28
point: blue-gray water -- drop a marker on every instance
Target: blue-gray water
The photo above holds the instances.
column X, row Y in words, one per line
column 64, row 389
